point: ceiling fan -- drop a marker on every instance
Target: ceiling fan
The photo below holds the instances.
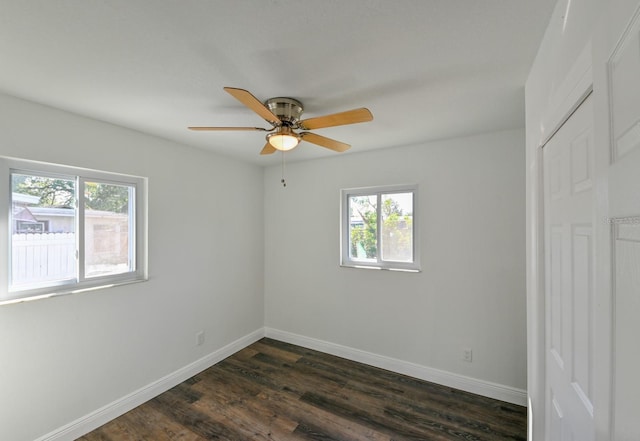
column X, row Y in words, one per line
column 284, row 116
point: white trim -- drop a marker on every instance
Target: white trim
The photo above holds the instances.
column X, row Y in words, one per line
column 97, row 418
column 468, row 384
column 575, row 88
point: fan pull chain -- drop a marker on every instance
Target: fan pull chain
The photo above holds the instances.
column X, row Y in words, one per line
column 284, row 183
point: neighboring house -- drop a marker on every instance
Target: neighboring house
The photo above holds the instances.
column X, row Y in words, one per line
column 24, row 220
column 101, row 243
column 29, row 218
column 53, row 219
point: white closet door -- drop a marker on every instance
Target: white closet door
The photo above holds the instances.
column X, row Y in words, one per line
column 624, row 218
column 569, row 297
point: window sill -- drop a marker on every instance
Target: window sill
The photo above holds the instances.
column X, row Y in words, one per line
column 66, row 290
column 381, row 268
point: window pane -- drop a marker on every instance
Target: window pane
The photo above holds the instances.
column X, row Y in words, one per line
column 397, row 227
column 108, row 229
column 363, row 228
column 43, row 220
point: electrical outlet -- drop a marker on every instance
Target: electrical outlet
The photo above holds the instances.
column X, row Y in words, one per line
column 200, row 338
column 467, row 355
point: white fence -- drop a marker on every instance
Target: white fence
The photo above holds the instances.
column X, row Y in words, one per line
column 42, row 257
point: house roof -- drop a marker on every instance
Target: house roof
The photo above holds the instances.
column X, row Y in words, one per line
column 24, row 199
column 52, row 211
column 40, row 212
column 23, row 214
column 426, row 69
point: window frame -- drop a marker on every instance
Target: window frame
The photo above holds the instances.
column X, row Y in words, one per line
column 80, row 283
column 345, row 221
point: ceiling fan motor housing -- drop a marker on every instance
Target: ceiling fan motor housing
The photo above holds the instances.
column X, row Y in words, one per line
column 288, row 110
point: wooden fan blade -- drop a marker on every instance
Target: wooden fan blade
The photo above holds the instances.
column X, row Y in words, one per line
column 246, row 98
column 227, row 128
column 323, row 141
column 337, row 119
column 267, row 149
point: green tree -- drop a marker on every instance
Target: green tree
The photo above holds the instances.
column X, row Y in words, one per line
column 396, row 229
column 397, row 232
column 60, row 193
column 364, row 236
column 53, row 192
column 106, row 197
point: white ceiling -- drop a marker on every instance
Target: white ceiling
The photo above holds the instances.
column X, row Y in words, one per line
column 427, row 69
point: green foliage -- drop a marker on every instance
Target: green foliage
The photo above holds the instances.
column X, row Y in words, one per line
column 364, row 236
column 106, row 197
column 396, row 233
column 51, row 191
column 60, row 193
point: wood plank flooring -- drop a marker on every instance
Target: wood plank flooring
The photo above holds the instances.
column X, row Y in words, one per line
column 277, row 391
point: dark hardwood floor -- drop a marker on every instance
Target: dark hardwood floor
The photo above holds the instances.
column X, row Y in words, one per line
column 277, row 391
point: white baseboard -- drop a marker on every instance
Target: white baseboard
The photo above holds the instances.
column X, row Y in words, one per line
column 468, row 384
column 113, row 410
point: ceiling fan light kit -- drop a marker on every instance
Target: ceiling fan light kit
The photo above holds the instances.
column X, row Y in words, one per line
column 284, row 139
column 284, row 116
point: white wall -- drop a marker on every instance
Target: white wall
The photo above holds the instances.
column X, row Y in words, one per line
column 471, row 291
column 64, row 357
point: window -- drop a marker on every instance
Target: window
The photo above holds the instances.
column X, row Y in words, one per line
column 71, row 230
column 378, row 228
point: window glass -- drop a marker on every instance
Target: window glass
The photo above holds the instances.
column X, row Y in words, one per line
column 363, row 228
column 43, row 236
column 397, row 227
column 108, row 229
column 378, row 229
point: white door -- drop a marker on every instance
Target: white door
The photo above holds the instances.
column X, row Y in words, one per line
column 568, row 229
column 624, row 219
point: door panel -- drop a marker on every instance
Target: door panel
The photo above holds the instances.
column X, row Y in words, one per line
column 555, row 294
column 555, row 430
column 582, row 377
column 568, row 226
